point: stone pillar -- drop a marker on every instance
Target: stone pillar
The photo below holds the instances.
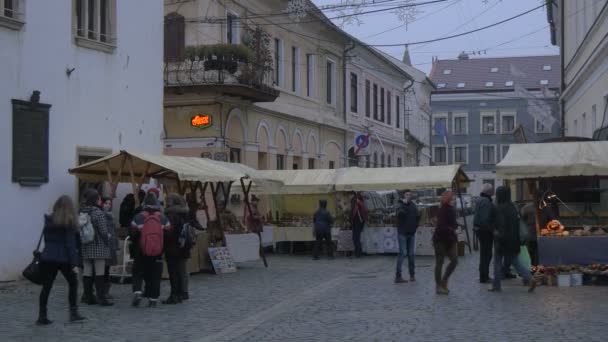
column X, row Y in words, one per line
column 251, row 155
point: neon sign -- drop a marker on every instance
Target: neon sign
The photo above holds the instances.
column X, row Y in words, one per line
column 201, row 121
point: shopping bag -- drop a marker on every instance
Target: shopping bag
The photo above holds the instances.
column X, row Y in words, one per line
column 33, row 272
column 524, row 258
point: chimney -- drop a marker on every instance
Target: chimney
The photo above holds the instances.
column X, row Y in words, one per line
column 406, row 57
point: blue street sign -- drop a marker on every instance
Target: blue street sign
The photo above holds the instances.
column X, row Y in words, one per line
column 362, row 141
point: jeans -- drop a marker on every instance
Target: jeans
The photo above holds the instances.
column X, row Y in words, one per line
column 357, row 230
column 178, row 275
column 320, row 236
column 49, row 270
column 151, row 268
column 498, row 268
column 486, row 240
column 441, row 251
column 406, row 241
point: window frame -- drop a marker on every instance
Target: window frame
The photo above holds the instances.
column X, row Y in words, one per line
column 354, row 92
column 482, row 162
column 466, row 147
column 397, row 110
column 382, row 104
column 310, row 75
column 235, row 29
column 368, row 100
column 460, row 115
column 280, row 161
column 107, row 44
column 389, row 111
column 502, row 154
column 295, row 69
column 331, row 82
column 375, row 100
column 16, row 20
column 445, row 148
column 508, row 113
column 486, row 114
column 279, row 62
column 434, row 117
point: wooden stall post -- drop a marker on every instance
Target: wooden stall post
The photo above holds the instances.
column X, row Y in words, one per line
column 118, row 177
column 464, row 217
column 203, row 190
column 133, row 184
column 246, row 191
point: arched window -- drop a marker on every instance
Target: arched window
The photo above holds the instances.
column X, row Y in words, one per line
column 175, row 37
column 382, row 160
column 390, row 162
column 375, row 159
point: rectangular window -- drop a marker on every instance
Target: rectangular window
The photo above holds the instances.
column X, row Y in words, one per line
column 311, row 163
column 439, row 121
column 504, row 149
column 368, row 161
column 488, row 154
column 367, row 99
column 375, row 101
column 235, row 155
column 488, row 124
column 382, row 104
column 507, row 124
column 232, row 22
column 332, row 164
column 295, row 69
column 461, row 154
column 460, row 124
column 95, row 21
column 280, row 162
column 399, row 162
column 540, row 128
column 440, row 155
column 87, row 155
column 278, row 62
column 398, row 110
column 331, row 82
column 388, row 107
column 30, row 143
column 310, row 75
column 354, row 98
column 8, row 8
column 593, row 119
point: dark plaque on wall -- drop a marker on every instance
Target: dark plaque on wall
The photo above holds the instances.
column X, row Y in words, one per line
column 30, row 142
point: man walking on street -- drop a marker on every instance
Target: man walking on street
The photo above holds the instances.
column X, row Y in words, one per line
column 483, row 223
column 407, row 223
column 358, row 219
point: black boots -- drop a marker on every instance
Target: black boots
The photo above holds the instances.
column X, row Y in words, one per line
column 399, row 279
column 88, row 297
column 100, row 287
column 173, row 299
column 74, row 315
column 42, row 317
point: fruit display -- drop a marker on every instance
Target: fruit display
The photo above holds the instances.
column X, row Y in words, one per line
column 595, row 269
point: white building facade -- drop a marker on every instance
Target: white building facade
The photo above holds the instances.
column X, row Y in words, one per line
column 580, row 28
column 76, row 83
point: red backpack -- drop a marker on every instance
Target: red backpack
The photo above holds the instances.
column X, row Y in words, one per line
column 151, row 240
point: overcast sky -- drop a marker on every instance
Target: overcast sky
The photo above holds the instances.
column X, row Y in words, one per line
column 527, row 35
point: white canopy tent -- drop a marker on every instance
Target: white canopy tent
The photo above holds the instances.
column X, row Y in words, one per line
column 559, row 159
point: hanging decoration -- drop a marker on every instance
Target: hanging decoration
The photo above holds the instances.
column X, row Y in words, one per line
column 408, row 13
column 297, row 9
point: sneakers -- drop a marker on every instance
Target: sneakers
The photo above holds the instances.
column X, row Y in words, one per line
column 399, row 279
column 173, row 299
column 442, row 291
column 136, row 299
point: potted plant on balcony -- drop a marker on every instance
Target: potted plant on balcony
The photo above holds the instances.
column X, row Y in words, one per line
column 258, row 41
column 220, row 57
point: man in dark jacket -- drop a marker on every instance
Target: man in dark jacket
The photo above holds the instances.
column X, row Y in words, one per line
column 358, row 218
column 323, row 222
column 483, row 223
column 407, row 223
column 506, row 239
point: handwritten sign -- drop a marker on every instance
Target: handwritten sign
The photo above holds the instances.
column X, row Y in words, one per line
column 201, row 121
column 222, row 260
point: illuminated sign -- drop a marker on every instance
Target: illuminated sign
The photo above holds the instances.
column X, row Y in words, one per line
column 201, row 121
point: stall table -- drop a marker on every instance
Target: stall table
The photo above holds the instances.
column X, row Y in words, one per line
column 572, row 250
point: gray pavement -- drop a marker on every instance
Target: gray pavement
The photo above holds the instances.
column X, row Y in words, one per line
column 298, row 299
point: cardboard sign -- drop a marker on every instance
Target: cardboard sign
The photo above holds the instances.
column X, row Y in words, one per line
column 222, row 260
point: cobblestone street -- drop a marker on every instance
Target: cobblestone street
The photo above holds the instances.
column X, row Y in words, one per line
column 344, row 299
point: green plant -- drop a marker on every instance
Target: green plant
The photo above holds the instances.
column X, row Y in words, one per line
column 231, row 52
column 261, row 62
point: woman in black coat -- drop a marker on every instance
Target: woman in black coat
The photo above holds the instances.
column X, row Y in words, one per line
column 177, row 252
column 61, row 240
column 506, row 239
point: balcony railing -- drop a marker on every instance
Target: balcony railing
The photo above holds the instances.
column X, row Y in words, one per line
column 234, row 77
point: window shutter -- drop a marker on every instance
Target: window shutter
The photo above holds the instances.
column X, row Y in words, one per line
column 175, row 39
column 30, row 143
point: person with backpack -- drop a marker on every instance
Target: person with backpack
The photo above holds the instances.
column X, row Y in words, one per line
column 61, row 240
column 148, row 229
column 96, row 248
column 358, row 219
column 178, row 243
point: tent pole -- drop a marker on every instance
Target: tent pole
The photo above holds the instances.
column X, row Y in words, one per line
column 133, row 184
column 143, row 177
column 246, row 191
column 113, row 193
column 203, row 189
column 227, row 194
column 464, row 218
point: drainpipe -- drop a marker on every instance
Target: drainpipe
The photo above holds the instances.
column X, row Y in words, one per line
column 344, row 57
column 562, row 103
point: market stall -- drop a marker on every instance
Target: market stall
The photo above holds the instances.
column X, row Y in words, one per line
column 566, row 183
column 196, row 178
column 301, row 190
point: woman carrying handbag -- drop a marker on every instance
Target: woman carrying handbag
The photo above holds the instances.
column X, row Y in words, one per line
column 60, row 253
